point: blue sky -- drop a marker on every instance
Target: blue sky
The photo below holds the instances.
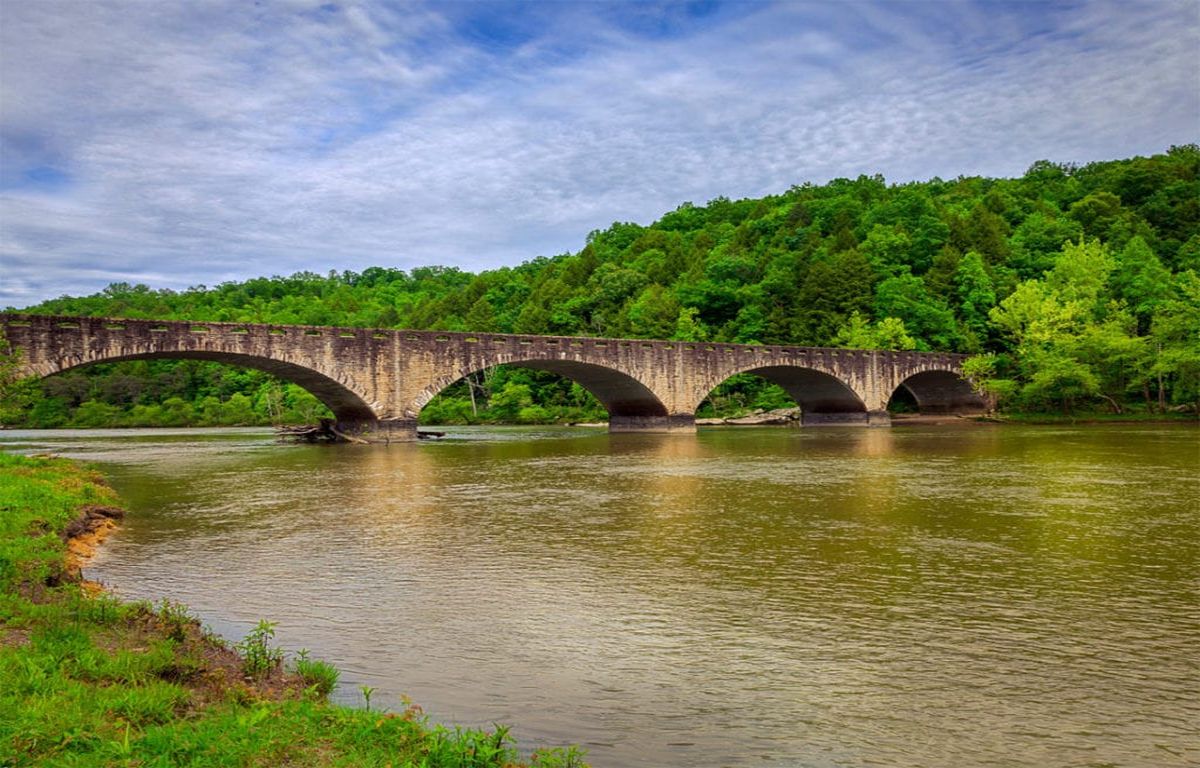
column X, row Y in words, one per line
column 178, row 144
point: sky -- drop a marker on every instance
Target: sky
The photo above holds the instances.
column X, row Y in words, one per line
column 179, row 144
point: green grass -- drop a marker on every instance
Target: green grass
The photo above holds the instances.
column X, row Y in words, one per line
column 318, row 676
column 86, row 680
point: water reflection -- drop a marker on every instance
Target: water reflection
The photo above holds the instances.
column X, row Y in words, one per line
column 819, row 597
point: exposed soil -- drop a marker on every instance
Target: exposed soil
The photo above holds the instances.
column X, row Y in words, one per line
column 203, row 663
column 84, row 534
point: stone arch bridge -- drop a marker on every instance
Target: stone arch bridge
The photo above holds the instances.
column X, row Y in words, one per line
column 377, row 381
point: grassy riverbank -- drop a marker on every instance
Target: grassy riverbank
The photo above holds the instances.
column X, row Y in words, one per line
column 1095, row 417
column 86, row 680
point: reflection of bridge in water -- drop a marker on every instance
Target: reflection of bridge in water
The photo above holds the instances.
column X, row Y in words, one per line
column 377, row 381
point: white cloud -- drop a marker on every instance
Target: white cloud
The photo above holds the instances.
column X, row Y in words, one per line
column 205, row 142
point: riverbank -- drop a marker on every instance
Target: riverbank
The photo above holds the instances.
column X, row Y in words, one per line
column 1090, row 419
column 792, row 417
column 88, row 680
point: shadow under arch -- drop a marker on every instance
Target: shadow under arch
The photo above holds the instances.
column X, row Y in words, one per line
column 822, row 397
column 631, row 405
column 941, row 392
column 346, row 405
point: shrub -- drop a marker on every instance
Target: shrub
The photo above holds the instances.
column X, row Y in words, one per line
column 259, row 657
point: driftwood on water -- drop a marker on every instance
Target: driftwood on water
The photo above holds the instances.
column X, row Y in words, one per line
column 326, row 431
column 323, row 431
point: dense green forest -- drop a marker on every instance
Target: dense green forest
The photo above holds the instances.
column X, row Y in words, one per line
column 1076, row 287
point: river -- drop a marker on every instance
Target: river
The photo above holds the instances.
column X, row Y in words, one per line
column 915, row 596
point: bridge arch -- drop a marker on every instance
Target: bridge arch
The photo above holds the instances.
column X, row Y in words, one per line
column 629, row 402
column 821, row 395
column 347, row 406
column 940, row 391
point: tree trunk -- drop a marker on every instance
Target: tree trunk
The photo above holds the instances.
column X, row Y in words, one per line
column 478, row 382
column 1162, row 392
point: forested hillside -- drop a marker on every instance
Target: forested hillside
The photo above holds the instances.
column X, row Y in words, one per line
column 1077, row 287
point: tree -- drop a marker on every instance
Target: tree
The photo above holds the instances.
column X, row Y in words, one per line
column 94, row 413
column 1055, row 376
column 1038, row 240
column 1069, row 343
column 987, row 233
column 653, row 314
column 976, row 293
column 888, row 333
column 940, row 277
column 1116, row 355
column 1141, row 280
column 1175, row 334
column 929, row 319
column 507, row 403
column 1081, row 273
column 1097, row 213
column 481, row 318
column 830, row 293
column 688, row 327
column 238, row 411
column 889, row 250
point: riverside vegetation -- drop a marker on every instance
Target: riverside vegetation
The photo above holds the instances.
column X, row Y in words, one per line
column 1076, row 288
column 86, row 680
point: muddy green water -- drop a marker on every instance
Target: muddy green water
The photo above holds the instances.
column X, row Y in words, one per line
column 915, row 596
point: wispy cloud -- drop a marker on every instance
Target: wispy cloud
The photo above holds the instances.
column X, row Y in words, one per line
column 178, row 144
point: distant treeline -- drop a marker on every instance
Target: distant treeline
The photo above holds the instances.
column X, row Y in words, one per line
column 1076, row 287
